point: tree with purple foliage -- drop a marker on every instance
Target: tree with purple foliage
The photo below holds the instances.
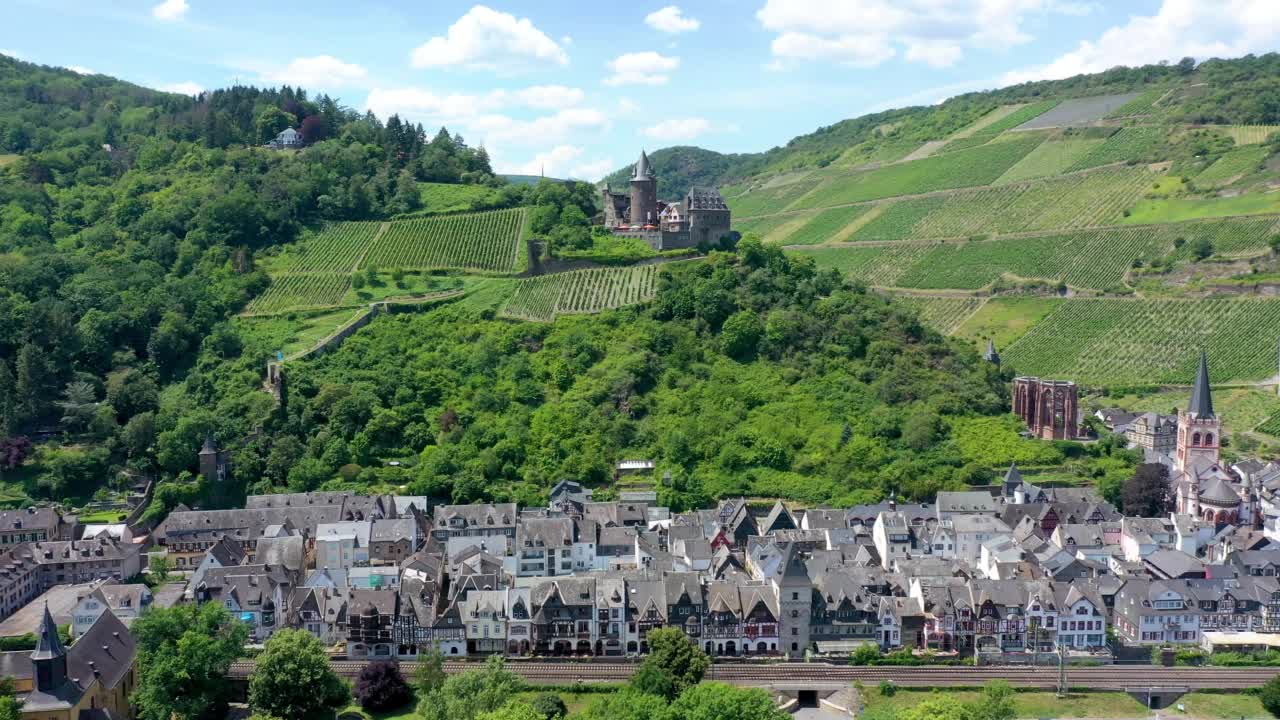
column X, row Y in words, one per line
column 382, row 687
column 314, row 129
column 13, row 451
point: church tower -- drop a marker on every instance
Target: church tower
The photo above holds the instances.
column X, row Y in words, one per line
column 49, row 657
column 1199, row 429
column 644, row 193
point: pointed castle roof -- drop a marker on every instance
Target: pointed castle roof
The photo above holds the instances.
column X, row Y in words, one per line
column 1201, row 405
column 1013, row 476
column 48, row 644
column 642, row 171
column 991, row 355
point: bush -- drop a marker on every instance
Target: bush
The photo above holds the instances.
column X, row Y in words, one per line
column 1269, row 694
column 887, row 688
column 549, row 705
column 382, row 687
column 868, row 654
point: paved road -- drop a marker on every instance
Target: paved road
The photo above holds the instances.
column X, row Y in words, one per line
column 1127, row 677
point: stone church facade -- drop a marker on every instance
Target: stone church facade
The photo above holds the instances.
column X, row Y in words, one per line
column 702, row 217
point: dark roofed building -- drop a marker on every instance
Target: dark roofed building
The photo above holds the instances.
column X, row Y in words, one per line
column 92, row 679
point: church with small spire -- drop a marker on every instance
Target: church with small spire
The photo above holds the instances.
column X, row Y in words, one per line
column 1203, row 486
column 91, row 680
column 701, row 218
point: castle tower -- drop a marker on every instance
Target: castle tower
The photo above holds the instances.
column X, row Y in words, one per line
column 644, row 193
column 991, row 355
column 49, row 657
column 1199, row 430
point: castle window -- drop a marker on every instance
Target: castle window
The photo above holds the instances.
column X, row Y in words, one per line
column 1195, row 439
column 1208, row 439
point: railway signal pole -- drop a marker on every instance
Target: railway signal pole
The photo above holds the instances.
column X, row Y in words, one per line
column 1062, row 670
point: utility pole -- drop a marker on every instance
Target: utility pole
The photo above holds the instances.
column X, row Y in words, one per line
column 1061, row 669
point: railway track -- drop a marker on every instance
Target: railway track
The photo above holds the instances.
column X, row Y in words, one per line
column 1093, row 678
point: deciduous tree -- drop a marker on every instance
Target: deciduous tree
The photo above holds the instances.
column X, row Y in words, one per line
column 293, row 679
column 184, row 653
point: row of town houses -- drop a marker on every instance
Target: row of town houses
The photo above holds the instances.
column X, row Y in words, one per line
column 1000, row 573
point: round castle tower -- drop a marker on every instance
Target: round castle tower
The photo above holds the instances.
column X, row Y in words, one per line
column 644, row 193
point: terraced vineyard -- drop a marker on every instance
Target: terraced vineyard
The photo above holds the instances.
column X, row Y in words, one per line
column 763, row 201
column 826, row 225
column 1114, row 341
column 338, row 248
column 1233, row 164
column 965, row 168
column 1050, row 158
column 485, row 242
column 1131, row 143
column 943, row 314
column 300, row 292
column 1085, row 259
column 1075, row 201
column 983, row 133
column 1249, row 134
column 1140, row 105
column 1270, row 426
column 545, row 297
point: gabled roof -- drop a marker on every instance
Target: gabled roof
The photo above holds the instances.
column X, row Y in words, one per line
column 1201, row 405
column 705, row 198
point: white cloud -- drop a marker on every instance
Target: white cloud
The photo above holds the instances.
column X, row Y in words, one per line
column 936, row 55
column 323, row 71
column 547, row 128
column 552, row 163
column 593, row 170
column 182, row 88
column 866, row 33
column 549, row 97
column 81, row 70
column 855, row 50
column 670, row 20
column 1180, row 28
column 170, row 10
column 488, row 39
column 677, row 129
column 642, row 68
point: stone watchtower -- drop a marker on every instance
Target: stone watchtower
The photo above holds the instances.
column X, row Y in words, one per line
column 644, row 193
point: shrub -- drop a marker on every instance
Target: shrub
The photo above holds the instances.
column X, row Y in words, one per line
column 549, row 705
column 1270, row 696
column 887, row 688
column 382, row 687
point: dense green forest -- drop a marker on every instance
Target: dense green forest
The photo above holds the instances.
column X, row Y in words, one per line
column 130, row 221
column 1243, row 91
column 751, row 373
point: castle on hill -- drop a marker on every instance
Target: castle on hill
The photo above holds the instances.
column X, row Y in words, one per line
column 701, row 218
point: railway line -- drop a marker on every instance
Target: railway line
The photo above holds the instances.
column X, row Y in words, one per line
column 824, row 674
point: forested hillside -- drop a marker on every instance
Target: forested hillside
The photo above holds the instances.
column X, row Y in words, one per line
column 133, row 224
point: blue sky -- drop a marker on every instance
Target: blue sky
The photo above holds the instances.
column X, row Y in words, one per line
column 577, row 88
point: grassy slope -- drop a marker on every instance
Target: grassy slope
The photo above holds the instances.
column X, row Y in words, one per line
column 1199, row 706
column 1004, row 320
column 1177, row 209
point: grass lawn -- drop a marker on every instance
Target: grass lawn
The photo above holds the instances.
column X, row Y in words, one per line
column 410, row 284
column 406, row 713
column 1005, row 319
column 1178, row 209
column 447, row 197
column 102, row 517
column 1027, row 704
column 1218, row 705
column 575, row 702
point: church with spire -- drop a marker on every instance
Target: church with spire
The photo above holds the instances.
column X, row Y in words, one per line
column 700, row 218
column 89, row 681
column 1204, row 487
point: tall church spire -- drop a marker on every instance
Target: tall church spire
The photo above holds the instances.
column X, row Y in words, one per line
column 1201, row 406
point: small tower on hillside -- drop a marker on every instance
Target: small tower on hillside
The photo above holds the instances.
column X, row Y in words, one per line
column 644, row 193
column 1199, row 429
column 991, row 355
column 49, row 657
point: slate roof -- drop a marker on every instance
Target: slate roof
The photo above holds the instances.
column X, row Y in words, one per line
column 705, row 198
column 1201, row 405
